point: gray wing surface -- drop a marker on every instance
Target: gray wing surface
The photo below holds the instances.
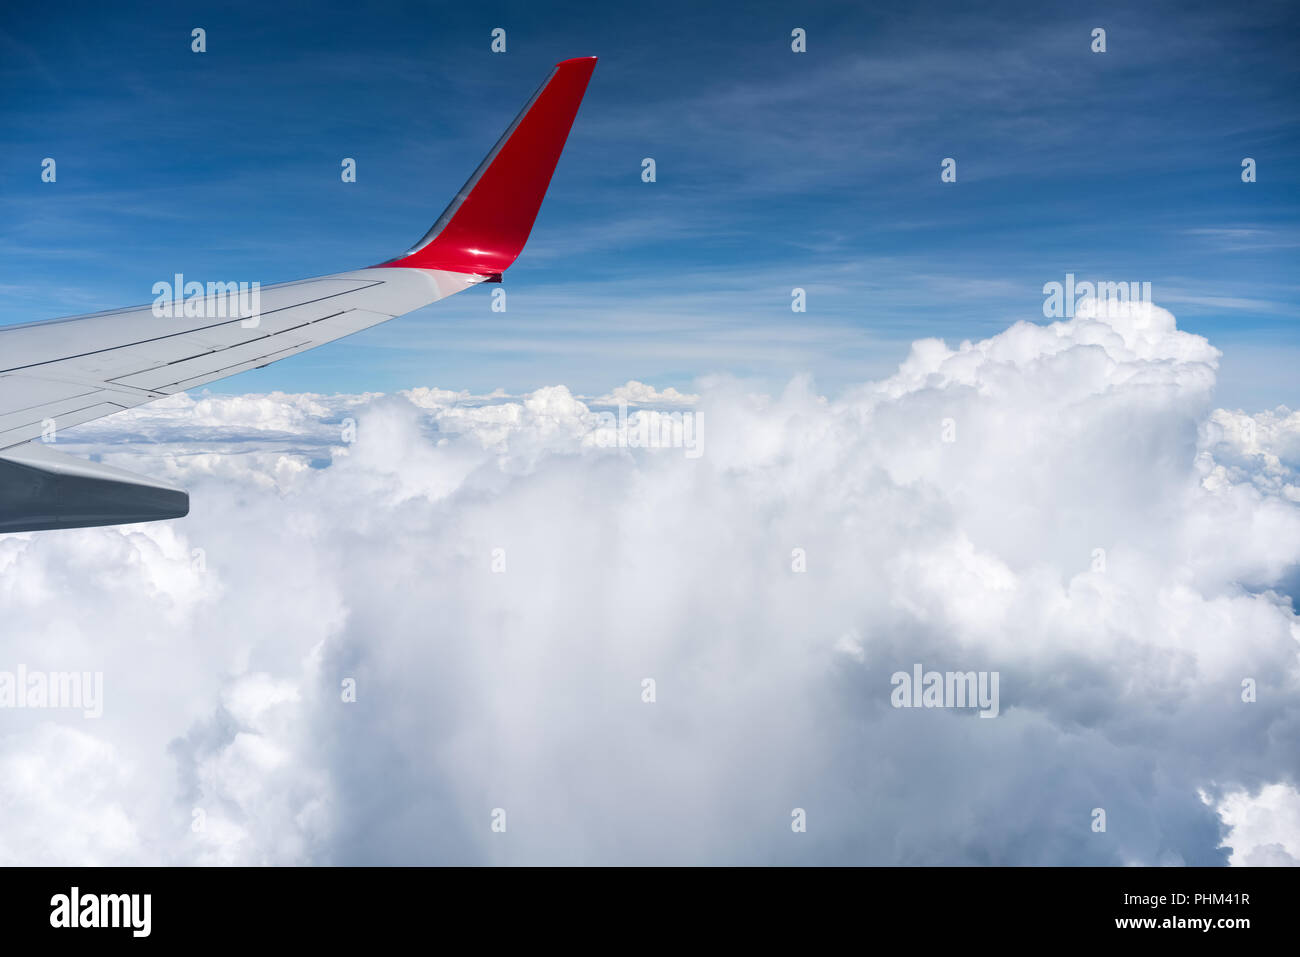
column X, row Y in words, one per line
column 58, row 374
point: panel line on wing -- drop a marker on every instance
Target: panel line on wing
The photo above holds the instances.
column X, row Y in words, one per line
column 188, row 332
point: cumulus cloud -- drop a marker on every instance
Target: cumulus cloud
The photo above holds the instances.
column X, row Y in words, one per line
column 1061, row 504
column 639, row 393
column 1264, row 827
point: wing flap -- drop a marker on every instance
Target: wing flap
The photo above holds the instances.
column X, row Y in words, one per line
column 64, row 418
column 35, row 415
column 322, row 331
column 229, row 358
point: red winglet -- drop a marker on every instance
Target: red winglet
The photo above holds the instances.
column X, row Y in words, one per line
column 485, row 227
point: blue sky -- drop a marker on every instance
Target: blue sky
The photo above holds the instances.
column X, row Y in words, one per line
column 775, row 170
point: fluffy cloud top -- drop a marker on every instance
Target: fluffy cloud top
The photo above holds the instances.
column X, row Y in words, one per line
column 1061, row 504
column 639, row 393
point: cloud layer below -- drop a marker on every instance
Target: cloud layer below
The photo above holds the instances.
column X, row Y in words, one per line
column 1061, row 504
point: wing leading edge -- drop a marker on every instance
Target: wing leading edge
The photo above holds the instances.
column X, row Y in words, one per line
column 74, row 370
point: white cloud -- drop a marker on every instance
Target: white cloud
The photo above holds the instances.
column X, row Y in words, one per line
column 1265, row 826
column 1120, row 551
column 635, row 393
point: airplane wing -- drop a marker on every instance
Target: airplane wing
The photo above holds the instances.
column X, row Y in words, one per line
column 60, row 373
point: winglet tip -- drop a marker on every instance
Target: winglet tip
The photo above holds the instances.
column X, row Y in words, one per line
column 484, row 229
